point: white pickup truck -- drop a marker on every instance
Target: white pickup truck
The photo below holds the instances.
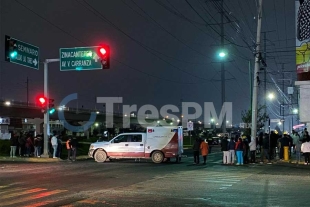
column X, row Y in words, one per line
column 157, row 144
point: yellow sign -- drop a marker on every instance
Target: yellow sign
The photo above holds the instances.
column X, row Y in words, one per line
column 303, row 36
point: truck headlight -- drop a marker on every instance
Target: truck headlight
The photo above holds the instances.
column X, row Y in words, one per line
column 91, row 146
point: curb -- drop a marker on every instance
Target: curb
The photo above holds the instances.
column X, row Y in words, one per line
column 38, row 159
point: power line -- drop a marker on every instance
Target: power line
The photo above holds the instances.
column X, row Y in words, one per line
column 67, row 33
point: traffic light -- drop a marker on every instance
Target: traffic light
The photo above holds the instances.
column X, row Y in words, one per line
column 51, row 110
column 51, row 105
column 104, row 55
column 41, row 101
column 10, row 48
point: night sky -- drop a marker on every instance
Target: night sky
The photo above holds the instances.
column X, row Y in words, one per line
column 162, row 51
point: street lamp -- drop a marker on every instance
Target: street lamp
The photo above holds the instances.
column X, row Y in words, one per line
column 295, row 111
column 7, row 103
column 270, row 96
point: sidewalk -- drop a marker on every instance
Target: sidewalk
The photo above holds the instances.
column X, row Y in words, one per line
column 38, row 159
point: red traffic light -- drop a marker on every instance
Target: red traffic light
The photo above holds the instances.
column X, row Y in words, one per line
column 42, row 100
column 102, row 51
column 104, row 55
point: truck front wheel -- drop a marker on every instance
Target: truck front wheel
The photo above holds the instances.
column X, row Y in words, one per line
column 157, row 157
column 100, row 156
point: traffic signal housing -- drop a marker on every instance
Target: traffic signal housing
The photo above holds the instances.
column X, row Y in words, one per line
column 10, row 49
column 104, row 55
column 51, row 105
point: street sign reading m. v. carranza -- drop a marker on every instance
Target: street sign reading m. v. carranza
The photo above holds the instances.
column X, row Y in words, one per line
column 79, row 58
column 21, row 53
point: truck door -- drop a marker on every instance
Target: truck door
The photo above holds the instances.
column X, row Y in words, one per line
column 136, row 146
column 119, row 146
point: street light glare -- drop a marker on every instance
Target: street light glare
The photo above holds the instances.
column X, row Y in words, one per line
column 222, row 54
column 7, row 103
column 271, row 96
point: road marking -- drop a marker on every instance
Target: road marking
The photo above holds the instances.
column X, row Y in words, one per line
column 35, row 190
column 11, row 190
column 43, row 203
column 33, row 197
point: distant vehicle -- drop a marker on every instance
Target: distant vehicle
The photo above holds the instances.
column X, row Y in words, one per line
column 157, row 144
column 214, row 141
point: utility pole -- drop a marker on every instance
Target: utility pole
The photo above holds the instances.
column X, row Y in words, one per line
column 283, row 120
column 46, row 124
column 27, row 88
column 265, row 80
column 251, row 84
column 223, row 65
column 256, row 70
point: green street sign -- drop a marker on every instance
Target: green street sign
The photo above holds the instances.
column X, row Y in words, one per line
column 79, row 58
column 21, row 53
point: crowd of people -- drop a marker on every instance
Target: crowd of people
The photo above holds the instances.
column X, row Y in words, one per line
column 268, row 146
column 27, row 145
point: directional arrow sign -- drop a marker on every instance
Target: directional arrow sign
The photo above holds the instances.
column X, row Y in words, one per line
column 79, row 58
column 27, row 54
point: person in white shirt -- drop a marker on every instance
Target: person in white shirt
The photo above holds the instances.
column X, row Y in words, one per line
column 54, row 145
column 305, row 149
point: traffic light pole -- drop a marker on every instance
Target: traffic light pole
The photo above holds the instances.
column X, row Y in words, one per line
column 46, row 114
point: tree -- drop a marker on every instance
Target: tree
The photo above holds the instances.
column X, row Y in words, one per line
column 246, row 117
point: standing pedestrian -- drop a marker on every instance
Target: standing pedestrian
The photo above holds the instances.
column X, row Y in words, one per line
column 59, row 147
column 35, row 144
column 38, row 146
column 204, row 147
column 29, row 145
column 245, row 151
column 298, row 151
column 74, row 145
column 14, row 142
column 253, row 150
column 239, row 151
column 196, row 148
column 224, row 149
column 231, row 149
column 295, row 136
column 21, row 145
column 68, row 146
column 265, row 148
column 54, row 143
column 305, row 149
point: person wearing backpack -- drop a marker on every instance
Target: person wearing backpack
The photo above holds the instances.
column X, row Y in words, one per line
column 239, row 151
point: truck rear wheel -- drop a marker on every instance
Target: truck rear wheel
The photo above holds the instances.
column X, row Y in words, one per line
column 157, row 157
column 100, row 156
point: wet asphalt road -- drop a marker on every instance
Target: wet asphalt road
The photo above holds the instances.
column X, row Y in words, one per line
column 130, row 183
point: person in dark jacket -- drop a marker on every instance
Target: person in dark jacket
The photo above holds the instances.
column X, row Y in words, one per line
column 14, row 143
column 74, row 145
column 224, row 149
column 196, row 148
column 21, row 145
column 266, row 148
column 59, row 146
column 246, row 151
